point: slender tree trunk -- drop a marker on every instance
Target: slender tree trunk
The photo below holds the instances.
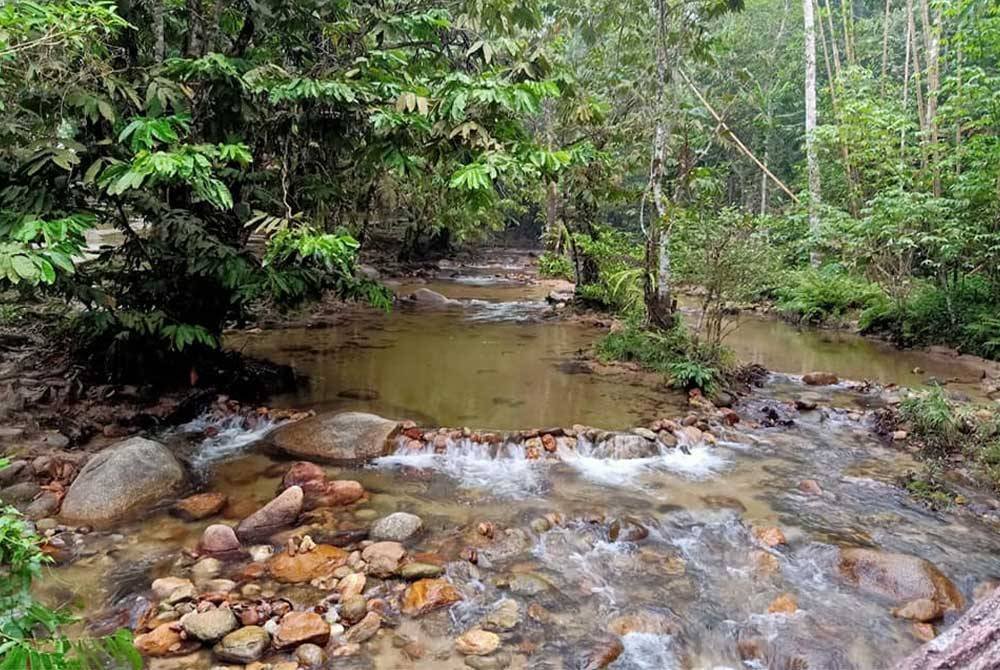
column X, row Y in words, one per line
column 917, row 89
column 551, row 232
column 833, row 39
column 213, row 30
column 160, row 44
column 658, row 297
column 812, row 164
column 932, row 43
column 906, row 90
column 763, row 183
column 845, row 10
column 885, row 44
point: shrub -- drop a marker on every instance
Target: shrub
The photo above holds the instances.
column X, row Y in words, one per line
column 555, row 266
column 30, row 633
column 825, row 295
column 675, row 353
column 961, row 314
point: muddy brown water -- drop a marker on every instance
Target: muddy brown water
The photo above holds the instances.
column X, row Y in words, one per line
column 494, row 362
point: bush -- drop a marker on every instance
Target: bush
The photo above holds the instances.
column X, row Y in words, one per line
column 944, row 427
column 555, row 266
column 826, row 295
column 675, row 353
column 961, row 315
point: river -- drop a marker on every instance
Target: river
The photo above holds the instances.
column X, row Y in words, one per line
column 699, row 584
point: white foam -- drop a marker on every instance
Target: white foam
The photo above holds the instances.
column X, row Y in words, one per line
column 518, row 310
column 646, row 651
column 232, row 437
column 698, row 462
column 503, row 470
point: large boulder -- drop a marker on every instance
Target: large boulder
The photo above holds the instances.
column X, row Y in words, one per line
column 344, row 437
column 898, row 577
column 121, row 480
column 428, row 298
column 971, row 643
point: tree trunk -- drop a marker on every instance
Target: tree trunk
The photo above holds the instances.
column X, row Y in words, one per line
column 885, row 45
column 192, row 49
column 160, row 45
column 812, row 164
column 971, row 643
column 932, row 45
column 657, row 289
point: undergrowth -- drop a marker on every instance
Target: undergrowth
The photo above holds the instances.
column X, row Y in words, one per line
column 827, row 295
column 555, row 266
column 944, row 428
column 687, row 363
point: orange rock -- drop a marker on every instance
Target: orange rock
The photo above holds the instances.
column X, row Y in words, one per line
column 165, row 640
column 770, row 536
column 783, row 604
column 199, row 506
column 426, row 595
column 298, row 628
column 320, row 562
column 764, row 563
column 548, row 443
column 924, row 631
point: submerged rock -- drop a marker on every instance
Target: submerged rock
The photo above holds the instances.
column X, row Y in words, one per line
column 603, row 655
column 321, row 561
column 383, row 558
column 426, row 595
column 427, row 297
column 820, row 378
column 218, row 539
column 317, row 490
column 164, row 640
column 345, row 437
column 477, row 642
column 199, row 506
column 298, row 628
column 210, row 625
column 898, row 577
column 244, row 645
column 397, row 527
column 123, row 479
column 280, row 512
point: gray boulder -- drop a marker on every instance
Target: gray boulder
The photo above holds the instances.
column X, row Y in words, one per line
column 121, row 480
column 344, row 437
column 397, row 527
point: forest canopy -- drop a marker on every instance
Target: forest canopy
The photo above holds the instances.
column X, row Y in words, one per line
column 248, row 152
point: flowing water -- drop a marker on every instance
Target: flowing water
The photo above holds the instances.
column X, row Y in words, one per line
column 698, row 585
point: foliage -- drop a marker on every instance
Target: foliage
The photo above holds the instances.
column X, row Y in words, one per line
column 686, row 363
column 827, row 295
column 178, row 125
column 555, row 266
column 30, row 633
column 944, row 427
column 618, row 272
column 961, row 314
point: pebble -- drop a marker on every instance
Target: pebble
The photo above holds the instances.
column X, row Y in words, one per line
column 477, row 642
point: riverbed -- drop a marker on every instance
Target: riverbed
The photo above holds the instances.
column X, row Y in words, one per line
column 694, row 592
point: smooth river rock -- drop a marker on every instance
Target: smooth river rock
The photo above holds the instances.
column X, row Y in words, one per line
column 280, row 512
column 427, row 595
column 245, row 645
column 121, row 480
column 210, row 625
column 345, row 437
column 298, row 628
column 397, row 527
column 900, row 578
column 320, row 562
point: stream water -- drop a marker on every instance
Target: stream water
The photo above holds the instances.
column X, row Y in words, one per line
column 699, row 584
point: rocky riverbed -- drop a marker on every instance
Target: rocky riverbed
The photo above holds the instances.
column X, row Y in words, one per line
column 395, row 513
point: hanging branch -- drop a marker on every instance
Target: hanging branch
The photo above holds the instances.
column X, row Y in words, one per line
column 736, row 140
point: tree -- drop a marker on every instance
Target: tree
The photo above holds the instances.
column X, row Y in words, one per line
column 812, row 164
